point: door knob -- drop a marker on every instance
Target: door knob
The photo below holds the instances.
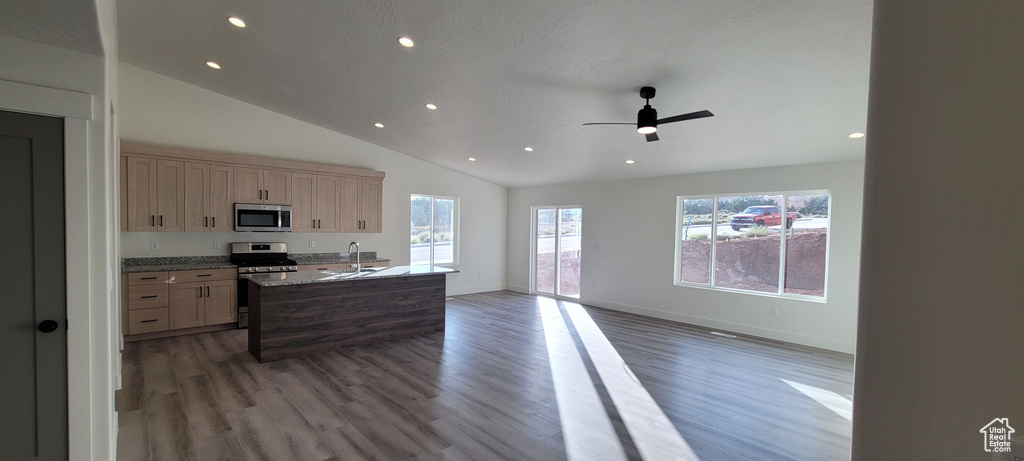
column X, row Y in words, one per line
column 48, row 326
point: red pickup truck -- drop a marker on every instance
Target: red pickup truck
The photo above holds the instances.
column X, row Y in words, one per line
column 761, row 216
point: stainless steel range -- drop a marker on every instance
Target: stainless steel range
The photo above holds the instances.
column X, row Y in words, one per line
column 257, row 258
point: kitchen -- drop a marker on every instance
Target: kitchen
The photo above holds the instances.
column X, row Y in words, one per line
column 172, row 190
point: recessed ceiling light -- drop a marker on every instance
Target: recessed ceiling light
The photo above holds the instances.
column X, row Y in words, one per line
column 856, row 135
column 471, row 159
column 378, row 125
column 236, row 21
column 431, row 106
column 213, row 65
column 528, row 149
column 630, row 162
column 406, row 42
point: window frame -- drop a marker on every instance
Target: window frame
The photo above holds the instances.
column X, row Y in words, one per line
column 456, row 231
column 713, row 235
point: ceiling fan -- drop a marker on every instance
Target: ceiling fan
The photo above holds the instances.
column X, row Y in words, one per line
column 647, row 120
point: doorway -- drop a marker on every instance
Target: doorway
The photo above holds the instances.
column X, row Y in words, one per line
column 33, row 335
column 558, row 254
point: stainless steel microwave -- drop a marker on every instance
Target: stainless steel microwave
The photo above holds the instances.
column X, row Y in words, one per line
column 253, row 217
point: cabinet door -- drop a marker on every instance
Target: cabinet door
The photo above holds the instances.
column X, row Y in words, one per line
column 304, row 202
column 370, row 195
column 221, row 304
column 350, row 205
column 221, row 199
column 328, row 193
column 185, row 309
column 141, row 191
column 197, row 191
column 170, row 195
column 277, row 187
column 248, row 185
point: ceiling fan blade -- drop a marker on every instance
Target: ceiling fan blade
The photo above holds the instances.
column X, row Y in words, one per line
column 651, row 137
column 690, row 116
column 610, row 123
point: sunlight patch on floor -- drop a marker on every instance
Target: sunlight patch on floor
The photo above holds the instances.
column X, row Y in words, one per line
column 649, row 429
column 839, row 404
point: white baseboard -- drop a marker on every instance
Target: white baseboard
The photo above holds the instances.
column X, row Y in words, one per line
column 518, row 289
column 752, row 330
column 476, row 289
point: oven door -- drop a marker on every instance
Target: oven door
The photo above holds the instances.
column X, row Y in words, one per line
column 262, row 218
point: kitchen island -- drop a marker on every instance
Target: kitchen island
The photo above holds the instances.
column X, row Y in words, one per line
column 298, row 313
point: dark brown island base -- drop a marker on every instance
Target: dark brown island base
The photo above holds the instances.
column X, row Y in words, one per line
column 299, row 313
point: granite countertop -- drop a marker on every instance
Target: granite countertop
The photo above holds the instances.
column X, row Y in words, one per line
column 186, row 263
column 335, row 258
column 175, row 263
column 307, row 277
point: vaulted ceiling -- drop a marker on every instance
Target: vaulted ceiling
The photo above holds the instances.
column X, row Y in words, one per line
column 786, row 79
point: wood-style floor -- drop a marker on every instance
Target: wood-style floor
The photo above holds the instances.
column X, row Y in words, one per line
column 512, row 377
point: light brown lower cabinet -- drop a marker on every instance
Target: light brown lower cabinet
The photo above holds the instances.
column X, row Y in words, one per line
column 171, row 303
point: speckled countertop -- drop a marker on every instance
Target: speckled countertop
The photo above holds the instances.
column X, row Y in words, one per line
column 335, row 258
column 175, row 263
column 302, row 278
column 185, row 263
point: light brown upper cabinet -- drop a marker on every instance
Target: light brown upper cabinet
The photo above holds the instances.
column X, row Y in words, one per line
column 256, row 185
column 315, row 202
column 155, row 200
column 169, row 189
column 209, row 202
column 361, row 204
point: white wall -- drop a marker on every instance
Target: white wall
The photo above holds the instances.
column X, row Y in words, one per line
column 942, row 305
column 52, row 81
column 158, row 110
column 633, row 224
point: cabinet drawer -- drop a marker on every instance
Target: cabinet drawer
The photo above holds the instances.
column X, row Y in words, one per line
column 377, row 264
column 147, row 278
column 147, row 296
column 147, row 320
column 203, row 275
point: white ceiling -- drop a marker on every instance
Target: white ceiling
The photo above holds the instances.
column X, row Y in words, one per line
column 786, row 79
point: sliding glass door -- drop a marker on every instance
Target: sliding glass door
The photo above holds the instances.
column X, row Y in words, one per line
column 557, row 254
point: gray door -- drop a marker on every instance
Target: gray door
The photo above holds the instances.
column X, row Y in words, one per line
column 33, row 329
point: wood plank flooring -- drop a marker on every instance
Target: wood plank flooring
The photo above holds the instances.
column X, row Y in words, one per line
column 512, row 377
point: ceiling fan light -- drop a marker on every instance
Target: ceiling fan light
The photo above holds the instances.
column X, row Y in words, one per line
column 647, row 120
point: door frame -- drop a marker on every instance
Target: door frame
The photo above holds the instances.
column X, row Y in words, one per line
column 558, row 245
column 91, row 316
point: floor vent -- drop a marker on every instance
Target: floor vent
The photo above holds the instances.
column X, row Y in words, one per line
column 724, row 335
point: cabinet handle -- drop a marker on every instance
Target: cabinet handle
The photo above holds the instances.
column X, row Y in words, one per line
column 147, row 321
column 204, row 275
column 321, row 268
column 214, row 219
column 161, row 220
column 200, row 292
column 147, row 278
column 207, row 292
column 148, row 297
column 266, row 194
column 318, row 226
column 261, row 193
column 152, row 220
column 207, row 223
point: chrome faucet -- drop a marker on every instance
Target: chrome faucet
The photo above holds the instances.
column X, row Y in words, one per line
column 358, row 266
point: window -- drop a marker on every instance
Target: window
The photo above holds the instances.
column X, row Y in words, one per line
column 761, row 243
column 434, row 230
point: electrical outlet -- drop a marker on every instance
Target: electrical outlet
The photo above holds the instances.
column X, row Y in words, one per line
column 773, row 310
column 153, row 246
column 216, row 245
column 311, row 244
